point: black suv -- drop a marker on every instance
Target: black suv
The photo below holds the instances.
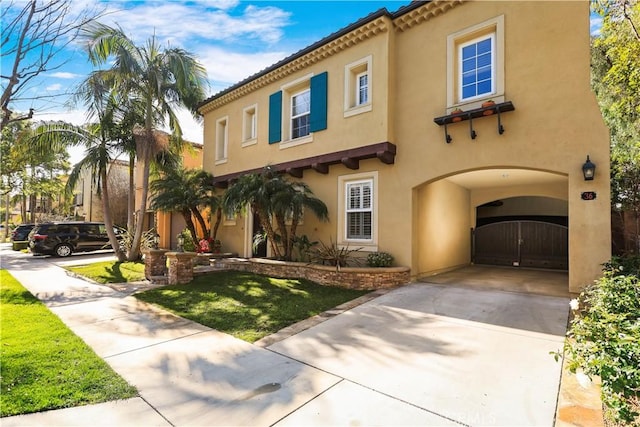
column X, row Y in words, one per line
column 64, row 238
column 21, row 232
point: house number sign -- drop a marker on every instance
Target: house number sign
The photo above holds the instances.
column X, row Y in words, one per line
column 588, row 195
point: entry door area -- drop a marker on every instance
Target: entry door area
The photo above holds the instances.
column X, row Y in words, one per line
column 522, row 244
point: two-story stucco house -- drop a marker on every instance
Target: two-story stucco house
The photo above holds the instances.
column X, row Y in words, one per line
column 366, row 117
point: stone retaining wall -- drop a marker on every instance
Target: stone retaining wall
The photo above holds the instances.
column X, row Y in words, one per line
column 347, row 277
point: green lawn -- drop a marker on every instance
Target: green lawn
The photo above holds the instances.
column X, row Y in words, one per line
column 44, row 365
column 246, row 305
column 111, row 272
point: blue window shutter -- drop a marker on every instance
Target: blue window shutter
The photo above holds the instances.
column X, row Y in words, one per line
column 318, row 120
column 275, row 117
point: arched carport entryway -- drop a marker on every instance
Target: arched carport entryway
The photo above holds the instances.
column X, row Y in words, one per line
column 450, row 209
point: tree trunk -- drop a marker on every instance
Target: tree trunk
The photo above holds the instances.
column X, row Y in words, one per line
column 217, row 224
column 284, row 236
column 190, row 225
column 131, row 199
column 292, row 235
column 108, row 220
column 6, row 216
column 201, row 221
column 134, row 251
column 268, row 228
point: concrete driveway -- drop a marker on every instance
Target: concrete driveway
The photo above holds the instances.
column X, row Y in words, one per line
column 429, row 354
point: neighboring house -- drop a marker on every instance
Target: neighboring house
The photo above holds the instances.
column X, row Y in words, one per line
column 170, row 224
column 87, row 203
column 364, row 117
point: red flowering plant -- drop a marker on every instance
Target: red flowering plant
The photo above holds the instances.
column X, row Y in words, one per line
column 208, row 245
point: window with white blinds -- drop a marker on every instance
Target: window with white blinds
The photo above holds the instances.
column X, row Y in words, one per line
column 359, row 210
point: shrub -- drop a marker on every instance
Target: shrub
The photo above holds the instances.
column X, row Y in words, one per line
column 334, row 255
column 629, row 264
column 379, row 259
column 188, row 245
column 603, row 340
column 147, row 241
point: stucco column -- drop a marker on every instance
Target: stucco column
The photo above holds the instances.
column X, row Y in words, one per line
column 589, row 226
column 180, row 267
column 155, row 262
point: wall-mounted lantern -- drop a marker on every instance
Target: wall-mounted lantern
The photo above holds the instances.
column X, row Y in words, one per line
column 156, row 241
column 180, row 243
column 588, row 170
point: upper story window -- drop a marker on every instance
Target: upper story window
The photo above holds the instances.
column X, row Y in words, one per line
column 476, row 77
column 221, row 140
column 249, row 125
column 363, row 88
column 475, row 64
column 298, row 110
column 300, row 114
column 357, row 86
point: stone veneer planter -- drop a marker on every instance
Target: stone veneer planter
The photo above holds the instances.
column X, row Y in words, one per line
column 364, row 278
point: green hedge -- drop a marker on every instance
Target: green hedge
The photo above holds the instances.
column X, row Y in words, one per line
column 604, row 338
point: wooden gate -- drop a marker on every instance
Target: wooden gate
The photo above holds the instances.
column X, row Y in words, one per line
column 522, row 244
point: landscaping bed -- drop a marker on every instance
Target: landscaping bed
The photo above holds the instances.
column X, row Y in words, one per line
column 364, row 278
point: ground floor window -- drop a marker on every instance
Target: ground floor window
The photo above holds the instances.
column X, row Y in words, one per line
column 358, row 209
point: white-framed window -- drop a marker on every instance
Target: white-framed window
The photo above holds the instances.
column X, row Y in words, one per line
column 358, row 207
column 475, row 64
column 357, row 88
column 359, row 210
column 222, row 135
column 296, row 112
column 476, row 61
column 362, row 97
column 300, row 114
column 250, row 125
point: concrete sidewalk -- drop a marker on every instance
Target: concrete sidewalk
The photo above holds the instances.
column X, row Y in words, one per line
column 422, row 354
column 186, row 373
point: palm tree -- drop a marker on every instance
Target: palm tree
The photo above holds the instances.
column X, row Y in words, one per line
column 255, row 191
column 289, row 203
column 274, row 198
column 159, row 79
column 99, row 151
column 103, row 141
column 186, row 191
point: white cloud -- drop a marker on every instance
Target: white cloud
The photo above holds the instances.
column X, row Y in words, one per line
column 192, row 130
column 206, row 20
column 54, row 87
column 65, row 75
column 76, row 117
column 225, row 68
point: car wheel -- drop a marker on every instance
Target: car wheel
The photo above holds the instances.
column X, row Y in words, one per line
column 63, row 250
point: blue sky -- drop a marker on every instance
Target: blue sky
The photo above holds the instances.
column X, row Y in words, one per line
column 233, row 39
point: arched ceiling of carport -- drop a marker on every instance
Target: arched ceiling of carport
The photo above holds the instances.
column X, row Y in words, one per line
column 491, row 178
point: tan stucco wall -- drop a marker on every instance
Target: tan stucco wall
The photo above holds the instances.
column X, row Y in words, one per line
column 556, row 124
column 342, row 133
column 443, row 239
